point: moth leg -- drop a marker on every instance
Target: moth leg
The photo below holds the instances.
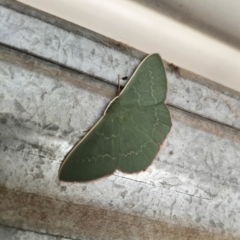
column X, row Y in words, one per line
column 118, row 91
column 119, row 87
column 86, row 131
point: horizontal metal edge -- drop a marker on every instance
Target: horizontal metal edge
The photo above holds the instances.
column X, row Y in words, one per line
column 74, row 47
column 70, row 27
column 36, row 212
column 11, row 233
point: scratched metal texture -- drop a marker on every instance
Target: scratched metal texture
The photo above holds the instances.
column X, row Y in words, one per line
column 8, row 233
column 69, row 45
column 191, row 191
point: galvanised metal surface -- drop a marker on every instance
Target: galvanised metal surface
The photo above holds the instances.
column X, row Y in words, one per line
column 192, row 184
column 77, row 48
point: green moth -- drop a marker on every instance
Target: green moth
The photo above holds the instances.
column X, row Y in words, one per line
column 129, row 134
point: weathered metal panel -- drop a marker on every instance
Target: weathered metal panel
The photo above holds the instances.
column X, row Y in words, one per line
column 95, row 55
column 7, row 233
column 86, row 222
column 45, row 109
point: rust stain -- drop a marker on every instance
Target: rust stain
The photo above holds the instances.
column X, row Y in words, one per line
column 31, row 211
column 174, row 69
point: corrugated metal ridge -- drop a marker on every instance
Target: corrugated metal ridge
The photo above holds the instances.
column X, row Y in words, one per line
column 78, row 46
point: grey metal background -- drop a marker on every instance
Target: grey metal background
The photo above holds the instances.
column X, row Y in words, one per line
column 103, row 58
column 59, row 88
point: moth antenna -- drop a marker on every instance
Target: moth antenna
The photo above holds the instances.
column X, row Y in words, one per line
column 118, row 91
